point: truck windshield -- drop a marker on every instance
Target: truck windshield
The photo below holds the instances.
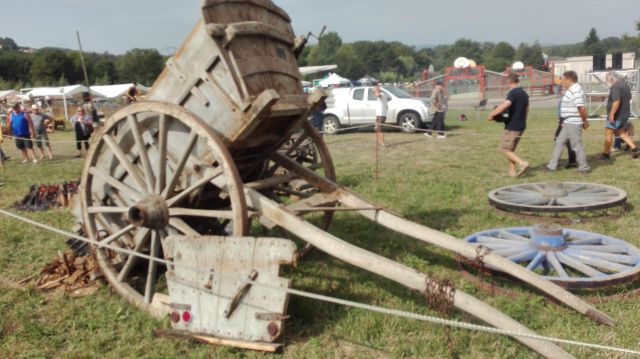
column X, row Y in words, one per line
column 397, row 92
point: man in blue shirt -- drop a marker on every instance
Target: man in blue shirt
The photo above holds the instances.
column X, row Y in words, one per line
column 23, row 132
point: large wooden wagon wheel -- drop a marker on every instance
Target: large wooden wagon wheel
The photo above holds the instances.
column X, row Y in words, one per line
column 568, row 257
column 307, row 147
column 557, row 197
column 156, row 170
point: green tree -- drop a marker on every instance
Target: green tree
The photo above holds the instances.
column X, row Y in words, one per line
column 324, row 53
column 7, row 43
column 530, row 55
column 387, row 76
column 592, row 44
column 142, row 65
column 49, row 66
column 104, row 71
column 349, row 64
column 407, row 65
column 500, row 57
column 466, row 48
column 14, row 66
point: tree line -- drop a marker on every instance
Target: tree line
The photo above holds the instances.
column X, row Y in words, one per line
column 394, row 61
column 22, row 68
column 387, row 61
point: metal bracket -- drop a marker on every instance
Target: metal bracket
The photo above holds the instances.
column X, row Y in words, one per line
column 244, row 289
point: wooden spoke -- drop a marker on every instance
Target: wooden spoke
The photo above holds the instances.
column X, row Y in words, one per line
column 131, row 260
column 132, row 169
column 118, row 234
column 183, row 227
column 183, row 161
column 142, row 152
column 116, row 210
column 120, row 186
column 205, row 213
column 127, row 238
column 162, row 154
column 297, row 143
column 208, row 178
column 153, row 265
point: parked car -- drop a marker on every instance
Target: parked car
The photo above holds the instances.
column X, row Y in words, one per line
column 357, row 106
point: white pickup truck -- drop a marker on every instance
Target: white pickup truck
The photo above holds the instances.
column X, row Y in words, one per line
column 357, row 106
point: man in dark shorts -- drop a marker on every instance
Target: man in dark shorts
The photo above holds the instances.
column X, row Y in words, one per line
column 516, row 107
column 23, row 131
column 619, row 110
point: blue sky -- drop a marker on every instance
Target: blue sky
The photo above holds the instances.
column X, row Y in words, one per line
column 119, row 25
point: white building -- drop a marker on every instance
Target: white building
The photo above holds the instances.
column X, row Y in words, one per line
column 584, row 64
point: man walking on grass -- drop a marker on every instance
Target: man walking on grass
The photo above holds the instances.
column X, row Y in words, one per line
column 619, row 109
column 574, row 120
column 516, row 106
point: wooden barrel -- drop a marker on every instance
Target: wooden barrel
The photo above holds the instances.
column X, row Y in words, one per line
column 260, row 39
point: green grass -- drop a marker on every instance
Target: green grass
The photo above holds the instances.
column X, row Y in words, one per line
column 441, row 184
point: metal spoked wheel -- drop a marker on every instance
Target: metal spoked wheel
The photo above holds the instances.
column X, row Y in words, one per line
column 571, row 258
column 557, row 197
column 156, row 170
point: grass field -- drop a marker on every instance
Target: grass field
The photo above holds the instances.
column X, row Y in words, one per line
column 441, row 184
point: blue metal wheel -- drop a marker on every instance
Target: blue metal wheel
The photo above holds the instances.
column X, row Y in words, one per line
column 571, row 258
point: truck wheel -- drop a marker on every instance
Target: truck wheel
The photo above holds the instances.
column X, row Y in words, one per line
column 409, row 122
column 330, row 125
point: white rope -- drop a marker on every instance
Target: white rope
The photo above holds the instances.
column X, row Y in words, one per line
column 324, row 298
column 52, row 141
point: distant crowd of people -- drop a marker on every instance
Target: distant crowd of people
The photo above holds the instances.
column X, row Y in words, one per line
column 572, row 121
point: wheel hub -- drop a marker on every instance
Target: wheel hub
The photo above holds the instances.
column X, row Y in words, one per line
column 151, row 212
column 554, row 190
column 547, row 237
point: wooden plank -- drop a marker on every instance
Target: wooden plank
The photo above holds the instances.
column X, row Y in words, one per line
column 206, row 339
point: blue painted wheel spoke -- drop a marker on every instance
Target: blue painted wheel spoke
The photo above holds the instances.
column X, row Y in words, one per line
column 525, row 256
column 600, row 263
column 535, row 263
column 620, row 258
column 581, row 267
column 555, row 263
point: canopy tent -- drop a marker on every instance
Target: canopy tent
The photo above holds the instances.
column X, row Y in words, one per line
column 113, row 91
column 8, row 94
column 334, row 80
column 55, row 92
column 310, row 70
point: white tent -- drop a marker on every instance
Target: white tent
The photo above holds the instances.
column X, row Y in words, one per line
column 7, row 94
column 112, row 91
column 55, row 92
column 334, row 80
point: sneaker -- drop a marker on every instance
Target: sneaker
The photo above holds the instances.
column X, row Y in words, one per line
column 427, row 135
column 24, row 161
column 635, row 153
column 546, row 168
column 442, row 137
column 571, row 165
column 584, row 172
column 604, row 157
column 35, row 161
column 615, row 149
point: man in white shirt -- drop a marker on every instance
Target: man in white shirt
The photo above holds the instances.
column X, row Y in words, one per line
column 574, row 116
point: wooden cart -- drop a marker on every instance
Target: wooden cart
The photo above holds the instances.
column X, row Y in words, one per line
column 221, row 146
